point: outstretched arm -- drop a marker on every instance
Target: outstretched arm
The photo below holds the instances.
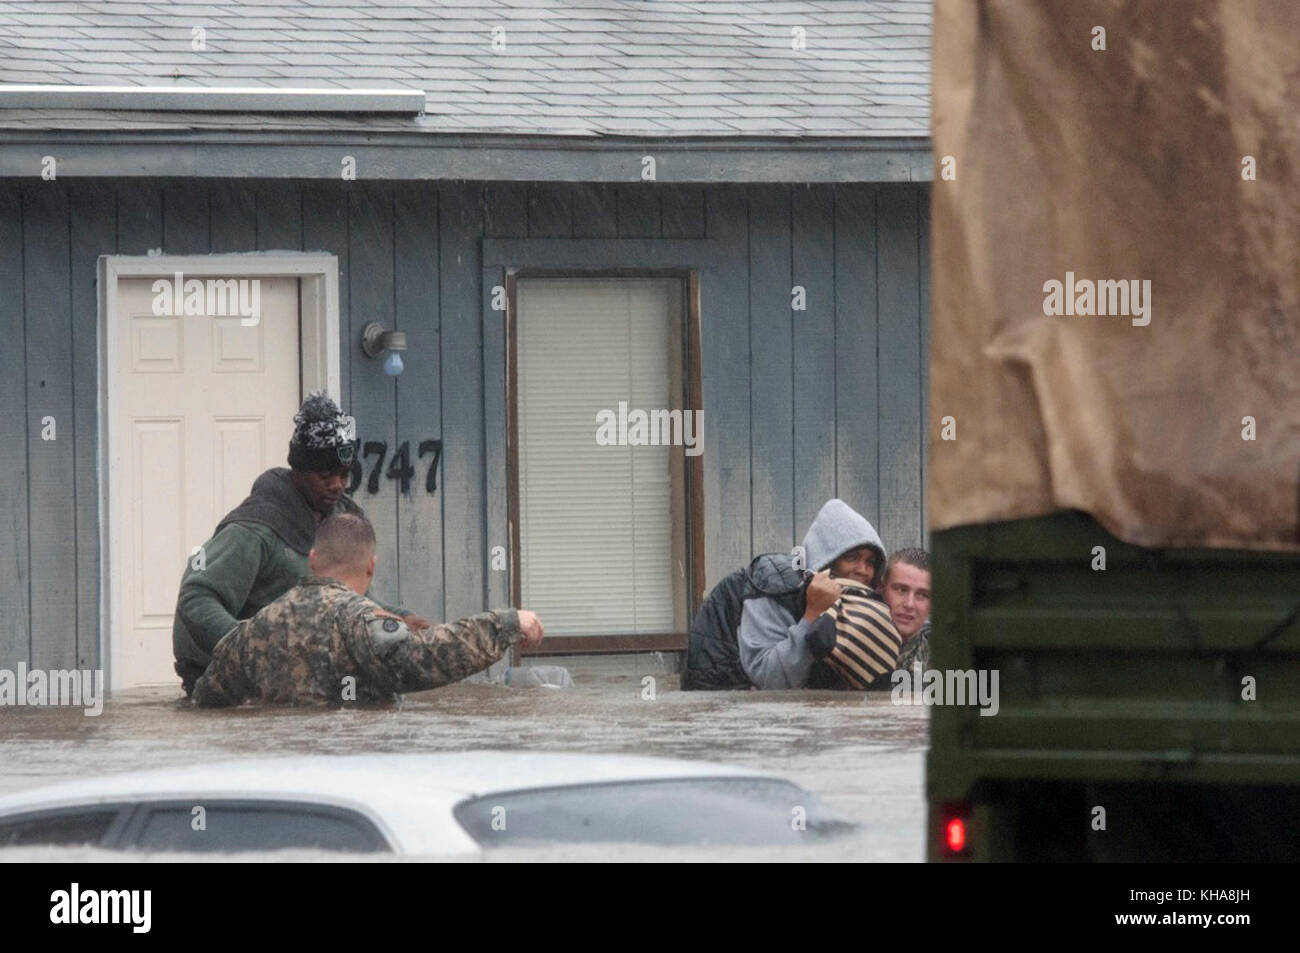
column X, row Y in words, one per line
column 411, row 660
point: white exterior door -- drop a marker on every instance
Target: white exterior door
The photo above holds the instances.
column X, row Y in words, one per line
column 202, row 405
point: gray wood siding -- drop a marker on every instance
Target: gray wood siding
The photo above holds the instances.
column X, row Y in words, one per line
column 418, row 414
column 15, row 559
column 51, row 464
column 799, row 406
column 771, row 384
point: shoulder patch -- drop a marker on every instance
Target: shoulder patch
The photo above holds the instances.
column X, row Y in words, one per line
column 386, row 634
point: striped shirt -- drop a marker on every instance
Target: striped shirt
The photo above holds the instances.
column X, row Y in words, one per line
column 866, row 643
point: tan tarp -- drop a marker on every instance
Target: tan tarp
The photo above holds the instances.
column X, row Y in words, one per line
column 1125, row 163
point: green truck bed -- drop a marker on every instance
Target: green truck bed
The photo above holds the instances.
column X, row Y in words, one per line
column 1163, row 689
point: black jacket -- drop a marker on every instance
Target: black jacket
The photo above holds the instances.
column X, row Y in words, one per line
column 713, row 652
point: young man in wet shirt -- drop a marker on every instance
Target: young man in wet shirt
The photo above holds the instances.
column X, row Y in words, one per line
column 907, row 590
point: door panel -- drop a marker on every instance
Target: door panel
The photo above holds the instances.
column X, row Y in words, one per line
column 203, row 404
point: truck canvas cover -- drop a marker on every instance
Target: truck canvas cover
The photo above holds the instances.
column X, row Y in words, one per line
column 1116, row 268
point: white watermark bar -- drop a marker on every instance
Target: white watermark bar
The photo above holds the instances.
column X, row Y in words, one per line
column 947, row 687
column 53, row 688
column 77, row 906
column 651, row 428
column 1083, row 296
column 215, row 297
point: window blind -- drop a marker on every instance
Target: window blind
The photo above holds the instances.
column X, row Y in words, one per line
column 595, row 521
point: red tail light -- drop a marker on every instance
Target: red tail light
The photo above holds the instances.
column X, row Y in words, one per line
column 954, row 835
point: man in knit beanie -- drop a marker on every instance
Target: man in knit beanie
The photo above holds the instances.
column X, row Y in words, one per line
column 259, row 549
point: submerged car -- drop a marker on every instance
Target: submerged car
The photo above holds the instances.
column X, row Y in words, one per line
column 446, row 805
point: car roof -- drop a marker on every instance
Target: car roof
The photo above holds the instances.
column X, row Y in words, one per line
column 410, row 796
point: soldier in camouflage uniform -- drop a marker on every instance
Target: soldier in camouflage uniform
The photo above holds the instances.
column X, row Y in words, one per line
column 324, row 643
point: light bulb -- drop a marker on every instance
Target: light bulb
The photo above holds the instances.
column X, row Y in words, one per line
column 393, row 364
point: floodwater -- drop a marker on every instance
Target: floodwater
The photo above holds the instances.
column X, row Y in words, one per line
column 860, row 753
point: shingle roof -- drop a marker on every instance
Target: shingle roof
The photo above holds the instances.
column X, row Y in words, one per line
column 581, row 67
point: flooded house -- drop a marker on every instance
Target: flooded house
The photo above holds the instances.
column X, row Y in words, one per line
column 617, row 298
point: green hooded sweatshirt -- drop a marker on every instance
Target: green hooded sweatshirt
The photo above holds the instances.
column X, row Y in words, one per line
column 257, row 554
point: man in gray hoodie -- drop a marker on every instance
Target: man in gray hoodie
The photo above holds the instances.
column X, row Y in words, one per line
column 778, row 650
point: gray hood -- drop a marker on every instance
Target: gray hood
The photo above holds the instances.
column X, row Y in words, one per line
column 837, row 529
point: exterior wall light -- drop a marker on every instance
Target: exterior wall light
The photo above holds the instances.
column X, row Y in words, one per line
column 375, row 341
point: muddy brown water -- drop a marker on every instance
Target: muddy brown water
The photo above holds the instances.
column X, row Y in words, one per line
column 861, row 754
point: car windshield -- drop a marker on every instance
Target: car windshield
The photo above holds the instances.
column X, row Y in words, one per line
column 202, row 825
column 696, row 811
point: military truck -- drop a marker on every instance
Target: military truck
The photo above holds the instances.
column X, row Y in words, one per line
column 1113, row 485
column 1147, row 710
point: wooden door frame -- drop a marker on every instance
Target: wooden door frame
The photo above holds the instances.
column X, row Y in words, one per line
column 318, row 350
column 694, row 503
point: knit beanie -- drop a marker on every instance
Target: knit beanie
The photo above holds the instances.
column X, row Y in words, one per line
column 322, row 436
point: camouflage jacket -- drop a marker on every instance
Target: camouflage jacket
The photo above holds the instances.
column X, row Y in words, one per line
column 323, row 644
column 916, row 651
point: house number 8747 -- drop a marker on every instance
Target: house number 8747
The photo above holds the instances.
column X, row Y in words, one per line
column 400, row 467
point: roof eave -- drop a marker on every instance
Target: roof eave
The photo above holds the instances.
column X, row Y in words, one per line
column 398, row 156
